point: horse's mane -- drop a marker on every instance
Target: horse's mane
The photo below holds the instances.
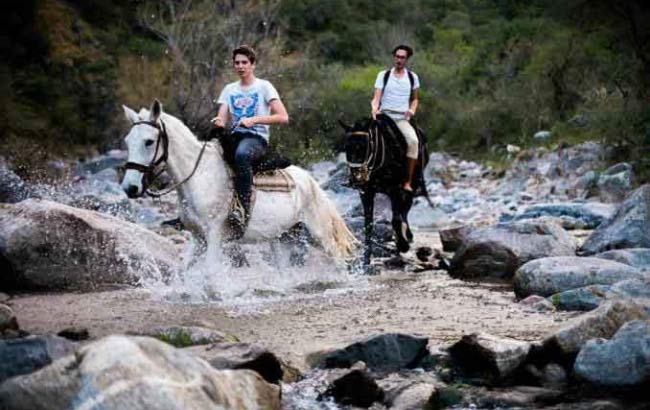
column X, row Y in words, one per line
column 169, row 120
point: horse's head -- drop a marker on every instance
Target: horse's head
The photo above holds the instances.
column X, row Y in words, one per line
column 358, row 150
column 147, row 143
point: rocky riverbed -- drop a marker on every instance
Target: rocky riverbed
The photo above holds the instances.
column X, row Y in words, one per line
column 452, row 323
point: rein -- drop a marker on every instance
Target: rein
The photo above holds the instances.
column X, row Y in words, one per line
column 148, row 170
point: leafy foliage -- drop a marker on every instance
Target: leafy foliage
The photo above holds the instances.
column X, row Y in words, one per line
column 493, row 72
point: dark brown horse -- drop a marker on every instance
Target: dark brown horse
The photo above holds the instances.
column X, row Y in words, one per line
column 376, row 155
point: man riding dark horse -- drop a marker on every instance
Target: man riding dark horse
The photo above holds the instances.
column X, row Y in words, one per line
column 251, row 104
column 387, row 153
column 396, row 95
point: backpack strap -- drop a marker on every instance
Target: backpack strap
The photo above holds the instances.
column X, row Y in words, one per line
column 411, row 80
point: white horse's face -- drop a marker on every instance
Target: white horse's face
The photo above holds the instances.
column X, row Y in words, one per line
column 141, row 142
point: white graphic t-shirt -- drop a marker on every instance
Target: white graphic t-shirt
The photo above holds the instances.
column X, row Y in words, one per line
column 249, row 102
column 395, row 99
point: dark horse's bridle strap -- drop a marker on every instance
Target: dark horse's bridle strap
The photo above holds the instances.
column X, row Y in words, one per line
column 148, row 170
column 375, row 153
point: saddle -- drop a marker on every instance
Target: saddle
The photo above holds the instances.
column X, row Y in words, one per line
column 268, row 171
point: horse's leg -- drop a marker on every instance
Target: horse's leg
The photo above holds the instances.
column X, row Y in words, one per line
column 400, row 225
column 407, row 204
column 368, row 201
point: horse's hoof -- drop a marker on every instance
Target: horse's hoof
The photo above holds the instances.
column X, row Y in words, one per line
column 370, row 270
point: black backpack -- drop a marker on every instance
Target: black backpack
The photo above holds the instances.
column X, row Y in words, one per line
column 411, row 80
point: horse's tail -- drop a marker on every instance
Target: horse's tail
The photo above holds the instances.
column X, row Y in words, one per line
column 334, row 234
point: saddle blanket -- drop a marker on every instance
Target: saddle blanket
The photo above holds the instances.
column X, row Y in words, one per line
column 278, row 180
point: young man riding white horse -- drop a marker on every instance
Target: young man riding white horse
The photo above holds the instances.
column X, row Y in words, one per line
column 396, row 95
column 248, row 106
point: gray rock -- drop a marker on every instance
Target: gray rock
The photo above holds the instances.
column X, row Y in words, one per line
column 563, row 345
column 53, row 246
column 586, row 215
column 537, row 303
column 631, row 288
column 452, row 238
column 184, row 336
column 585, row 298
column 623, row 361
column 628, row 228
column 548, row 276
column 410, row 391
column 243, row 356
column 388, row 352
column 28, row 354
column 489, row 357
column 542, row 136
column 355, row 387
column 550, row 375
column 137, row 373
column 7, row 318
column 500, row 250
column 615, row 182
column 637, row 257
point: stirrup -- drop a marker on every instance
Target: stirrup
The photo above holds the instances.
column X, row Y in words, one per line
column 237, row 219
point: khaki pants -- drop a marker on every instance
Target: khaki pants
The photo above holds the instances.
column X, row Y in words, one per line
column 411, row 138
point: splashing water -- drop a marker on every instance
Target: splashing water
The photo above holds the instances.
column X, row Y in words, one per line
column 268, row 276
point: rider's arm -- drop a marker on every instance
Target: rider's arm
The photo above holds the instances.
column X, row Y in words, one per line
column 413, row 107
column 278, row 115
column 222, row 116
column 374, row 104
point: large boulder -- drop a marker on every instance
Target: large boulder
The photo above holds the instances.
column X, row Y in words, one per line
column 489, row 357
column 120, row 372
column 28, row 354
column 547, row 276
column 48, row 245
column 615, row 182
column 586, row 215
column 563, row 345
column 500, row 250
column 388, row 352
column 637, row 257
column 623, row 361
column 628, row 228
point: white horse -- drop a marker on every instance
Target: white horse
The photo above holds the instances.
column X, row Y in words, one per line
column 205, row 197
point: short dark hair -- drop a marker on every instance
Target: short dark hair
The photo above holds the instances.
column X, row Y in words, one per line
column 409, row 50
column 246, row 51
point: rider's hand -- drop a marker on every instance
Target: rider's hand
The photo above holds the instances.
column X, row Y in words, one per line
column 409, row 114
column 374, row 114
column 217, row 122
column 246, row 122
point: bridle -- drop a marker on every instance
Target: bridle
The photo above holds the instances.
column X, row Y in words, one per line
column 149, row 171
column 375, row 152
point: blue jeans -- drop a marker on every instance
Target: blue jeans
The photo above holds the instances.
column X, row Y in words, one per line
column 250, row 149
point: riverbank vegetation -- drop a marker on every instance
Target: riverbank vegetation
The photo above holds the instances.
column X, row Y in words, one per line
column 493, row 72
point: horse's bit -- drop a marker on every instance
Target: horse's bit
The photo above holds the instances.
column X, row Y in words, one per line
column 148, row 170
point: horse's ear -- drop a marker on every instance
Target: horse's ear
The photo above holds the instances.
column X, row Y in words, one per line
column 130, row 114
column 345, row 126
column 155, row 110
